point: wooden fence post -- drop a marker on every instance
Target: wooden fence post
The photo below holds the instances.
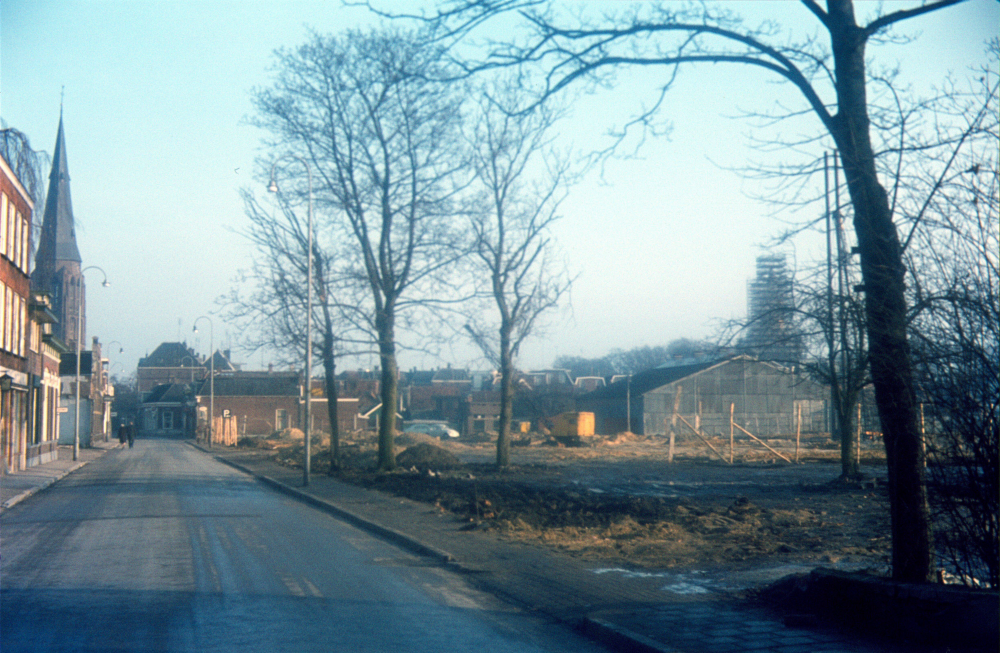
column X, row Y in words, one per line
column 673, row 424
column 732, row 440
column 798, row 430
column 859, row 436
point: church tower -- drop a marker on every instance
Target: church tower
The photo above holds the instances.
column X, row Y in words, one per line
column 57, row 262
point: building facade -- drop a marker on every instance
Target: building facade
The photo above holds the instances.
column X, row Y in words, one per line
column 44, row 354
column 16, row 209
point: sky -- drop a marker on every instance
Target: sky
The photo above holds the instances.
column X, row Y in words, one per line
column 155, row 97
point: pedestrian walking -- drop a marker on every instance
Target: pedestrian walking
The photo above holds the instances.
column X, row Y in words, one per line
column 131, row 434
column 123, row 433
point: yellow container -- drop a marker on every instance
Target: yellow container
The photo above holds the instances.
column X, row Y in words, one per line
column 573, row 424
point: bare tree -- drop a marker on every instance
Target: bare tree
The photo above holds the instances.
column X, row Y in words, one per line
column 268, row 302
column 832, row 83
column 383, row 141
column 950, row 198
column 522, row 183
column 29, row 165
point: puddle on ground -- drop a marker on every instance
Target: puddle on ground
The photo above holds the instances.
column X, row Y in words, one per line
column 705, row 582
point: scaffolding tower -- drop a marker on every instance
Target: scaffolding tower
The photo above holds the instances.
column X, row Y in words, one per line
column 772, row 333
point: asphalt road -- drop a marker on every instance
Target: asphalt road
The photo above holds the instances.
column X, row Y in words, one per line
column 162, row 548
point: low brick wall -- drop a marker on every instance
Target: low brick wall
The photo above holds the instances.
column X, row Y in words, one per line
column 946, row 614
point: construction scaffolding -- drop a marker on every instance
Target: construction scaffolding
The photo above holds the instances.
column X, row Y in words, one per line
column 772, row 333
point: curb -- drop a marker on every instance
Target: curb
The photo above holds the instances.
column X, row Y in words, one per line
column 14, row 500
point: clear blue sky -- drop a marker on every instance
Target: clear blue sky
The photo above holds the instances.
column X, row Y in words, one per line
column 155, row 98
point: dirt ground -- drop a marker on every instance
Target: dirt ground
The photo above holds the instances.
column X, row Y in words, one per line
column 622, row 502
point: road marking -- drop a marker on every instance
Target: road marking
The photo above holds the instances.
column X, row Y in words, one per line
column 313, row 589
column 291, row 585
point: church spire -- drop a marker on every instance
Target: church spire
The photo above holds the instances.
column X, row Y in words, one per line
column 57, row 261
column 58, row 225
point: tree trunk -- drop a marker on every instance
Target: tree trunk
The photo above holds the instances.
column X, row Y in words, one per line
column 330, row 374
column 885, row 304
column 506, row 397
column 384, row 324
column 845, row 424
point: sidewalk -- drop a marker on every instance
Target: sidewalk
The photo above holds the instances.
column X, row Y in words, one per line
column 626, row 610
column 18, row 486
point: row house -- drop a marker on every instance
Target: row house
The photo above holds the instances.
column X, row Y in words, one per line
column 17, row 375
column 42, row 312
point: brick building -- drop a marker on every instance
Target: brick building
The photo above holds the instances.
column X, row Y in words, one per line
column 16, row 376
column 265, row 402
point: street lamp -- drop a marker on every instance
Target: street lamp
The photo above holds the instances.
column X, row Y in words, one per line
column 273, row 188
column 211, row 374
column 79, row 337
column 193, row 364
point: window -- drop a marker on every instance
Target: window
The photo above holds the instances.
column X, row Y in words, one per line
column 3, row 315
column 167, row 420
column 280, row 419
column 7, row 323
column 18, row 345
column 25, row 243
column 9, row 250
column 15, row 219
column 3, row 223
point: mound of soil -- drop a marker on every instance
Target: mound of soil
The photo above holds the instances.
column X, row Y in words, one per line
column 642, row 531
column 627, row 504
column 426, row 456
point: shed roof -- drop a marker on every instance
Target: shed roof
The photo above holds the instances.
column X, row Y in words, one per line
column 647, row 380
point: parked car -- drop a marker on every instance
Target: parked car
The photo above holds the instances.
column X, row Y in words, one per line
column 433, row 429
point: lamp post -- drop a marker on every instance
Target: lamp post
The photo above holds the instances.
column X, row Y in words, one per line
column 211, row 374
column 79, row 344
column 193, row 361
column 273, row 188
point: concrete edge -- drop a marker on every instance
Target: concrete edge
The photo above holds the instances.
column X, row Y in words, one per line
column 618, row 638
column 18, row 498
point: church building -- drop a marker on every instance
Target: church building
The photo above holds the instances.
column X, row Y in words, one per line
column 57, row 261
